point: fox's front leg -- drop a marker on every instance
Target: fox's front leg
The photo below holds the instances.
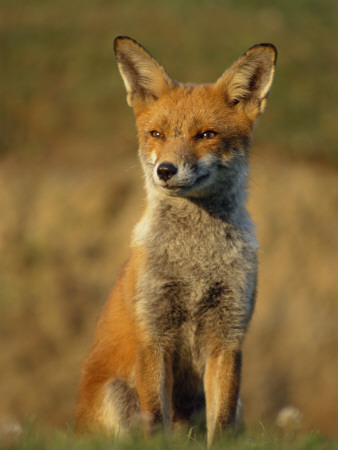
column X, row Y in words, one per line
column 221, row 384
column 154, row 386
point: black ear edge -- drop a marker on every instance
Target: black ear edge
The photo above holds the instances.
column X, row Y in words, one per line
column 267, row 45
column 118, row 40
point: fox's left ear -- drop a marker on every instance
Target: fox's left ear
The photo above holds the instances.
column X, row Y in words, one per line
column 247, row 82
column 144, row 78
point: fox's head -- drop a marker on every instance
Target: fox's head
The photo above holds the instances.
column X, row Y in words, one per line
column 194, row 138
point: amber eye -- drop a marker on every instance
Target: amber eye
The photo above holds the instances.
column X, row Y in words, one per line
column 235, row 102
column 156, row 134
column 209, row 134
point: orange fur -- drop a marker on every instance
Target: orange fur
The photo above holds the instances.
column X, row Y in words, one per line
column 221, row 380
column 108, row 358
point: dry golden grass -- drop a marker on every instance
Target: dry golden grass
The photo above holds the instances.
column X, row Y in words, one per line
column 290, row 350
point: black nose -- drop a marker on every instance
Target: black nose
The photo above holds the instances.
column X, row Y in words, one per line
column 166, row 170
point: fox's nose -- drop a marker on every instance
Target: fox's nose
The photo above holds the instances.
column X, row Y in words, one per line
column 166, row 170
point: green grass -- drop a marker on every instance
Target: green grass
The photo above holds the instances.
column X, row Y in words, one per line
column 59, row 78
column 32, row 439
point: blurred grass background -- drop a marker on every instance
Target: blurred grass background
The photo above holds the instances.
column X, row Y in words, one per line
column 71, row 190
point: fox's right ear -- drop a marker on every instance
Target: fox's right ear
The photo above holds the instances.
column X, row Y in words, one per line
column 248, row 81
column 144, row 78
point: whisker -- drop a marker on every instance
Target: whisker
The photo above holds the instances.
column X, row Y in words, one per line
column 131, row 167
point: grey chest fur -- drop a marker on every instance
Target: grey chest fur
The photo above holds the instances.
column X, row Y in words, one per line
column 199, row 278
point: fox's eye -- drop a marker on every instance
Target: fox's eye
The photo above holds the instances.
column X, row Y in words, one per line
column 209, row 134
column 156, row 134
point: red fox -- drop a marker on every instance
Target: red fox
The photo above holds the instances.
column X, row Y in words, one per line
column 168, row 342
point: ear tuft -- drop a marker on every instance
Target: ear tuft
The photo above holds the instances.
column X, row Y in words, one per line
column 145, row 80
column 249, row 79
